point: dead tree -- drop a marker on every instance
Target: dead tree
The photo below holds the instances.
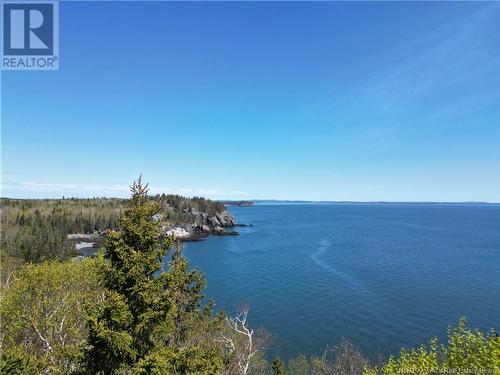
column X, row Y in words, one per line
column 241, row 342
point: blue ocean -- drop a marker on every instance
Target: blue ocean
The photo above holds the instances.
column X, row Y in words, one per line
column 383, row 275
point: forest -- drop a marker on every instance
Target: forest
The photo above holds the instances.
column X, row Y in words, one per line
column 37, row 229
column 122, row 312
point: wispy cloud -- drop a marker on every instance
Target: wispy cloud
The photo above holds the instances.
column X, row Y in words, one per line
column 43, row 189
column 450, row 69
column 459, row 52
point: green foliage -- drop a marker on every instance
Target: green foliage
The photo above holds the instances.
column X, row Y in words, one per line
column 298, row 366
column 149, row 318
column 170, row 360
column 343, row 359
column 14, row 363
column 8, row 267
column 38, row 239
column 278, row 367
column 468, row 351
column 179, row 209
column 259, row 365
column 43, row 315
column 36, row 230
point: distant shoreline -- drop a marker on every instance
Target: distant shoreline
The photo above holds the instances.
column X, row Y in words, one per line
column 251, row 202
column 276, row 201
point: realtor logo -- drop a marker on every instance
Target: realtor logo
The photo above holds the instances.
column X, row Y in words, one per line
column 30, row 35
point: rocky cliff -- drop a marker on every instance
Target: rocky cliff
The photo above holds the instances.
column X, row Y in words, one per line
column 198, row 219
column 188, row 219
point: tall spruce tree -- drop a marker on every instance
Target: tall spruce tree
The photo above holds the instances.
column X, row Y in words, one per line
column 141, row 325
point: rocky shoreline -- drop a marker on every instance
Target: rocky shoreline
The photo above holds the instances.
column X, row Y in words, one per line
column 220, row 224
column 203, row 225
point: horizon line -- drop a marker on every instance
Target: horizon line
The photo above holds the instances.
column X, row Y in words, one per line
column 259, row 200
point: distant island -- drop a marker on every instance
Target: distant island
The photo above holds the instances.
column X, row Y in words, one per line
column 237, row 203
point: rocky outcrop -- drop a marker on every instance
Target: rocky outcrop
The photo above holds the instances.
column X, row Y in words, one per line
column 221, row 219
column 201, row 224
column 179, row 233
column 226, row 219
column 96, row 236
column 187, row 219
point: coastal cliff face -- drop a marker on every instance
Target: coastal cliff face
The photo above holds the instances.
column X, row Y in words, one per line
column 200, row 223
column 187, row 219
column 184, row 223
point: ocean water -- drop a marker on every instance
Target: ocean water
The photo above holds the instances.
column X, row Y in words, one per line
column 383, row 275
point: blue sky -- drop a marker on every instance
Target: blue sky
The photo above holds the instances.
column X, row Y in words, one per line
column 320, row 101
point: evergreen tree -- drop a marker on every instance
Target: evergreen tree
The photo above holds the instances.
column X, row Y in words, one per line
column 143, row 324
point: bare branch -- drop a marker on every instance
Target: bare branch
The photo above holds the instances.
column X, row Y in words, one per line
column 242, row 342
